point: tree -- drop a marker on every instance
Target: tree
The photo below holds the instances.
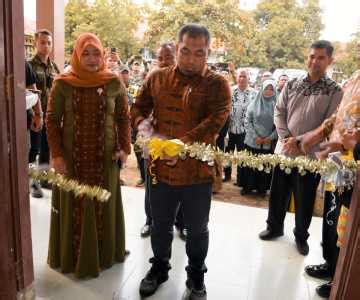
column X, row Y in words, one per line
column 275, row 35
column 286, row 30
column 348, row 63
column 115, row 22
column 76, row 12
column 231, row 28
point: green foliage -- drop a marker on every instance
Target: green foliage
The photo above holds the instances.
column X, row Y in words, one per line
column 286, row 29
column 114, row 21
column 348, row 63
column 275, row 35
column 230, row 27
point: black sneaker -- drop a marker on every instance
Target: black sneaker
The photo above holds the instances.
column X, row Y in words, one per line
column 145, row 231
column 45, row 185
column 321, row 271
column 36, row 190
column 302, row 247
column 268, row 234
column 154, row 277
column 324, row 290
column 194, row 293
column 183, row 234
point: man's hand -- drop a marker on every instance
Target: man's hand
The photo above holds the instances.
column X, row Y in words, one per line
column 290, row 147
column 171, row 160
column 259, row 140
column 37, row 123
column 310, row 139
column 58, row 163
column 145, row 128
column 267, row 140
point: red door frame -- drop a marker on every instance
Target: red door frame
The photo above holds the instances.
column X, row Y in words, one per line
column 16, row 264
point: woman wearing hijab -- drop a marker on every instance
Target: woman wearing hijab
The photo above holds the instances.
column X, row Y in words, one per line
column 260, row 134
column 88, row 132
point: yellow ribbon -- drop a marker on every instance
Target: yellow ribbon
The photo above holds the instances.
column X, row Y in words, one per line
column 159, row 148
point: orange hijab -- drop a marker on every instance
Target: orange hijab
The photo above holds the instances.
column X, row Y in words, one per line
column 79, row 77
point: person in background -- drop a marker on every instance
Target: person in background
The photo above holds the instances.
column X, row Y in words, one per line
column 166, row 58
column 136, row 79
column 34, row 112
column 45, row 71
column 34, row 116
column 283, row 79
column 165, row 55
column 260, row 134
column 124, row 73
column 232, row 74
column 88, row 133
column 301, row 108
column 113, row 61
column 265, row 76
column 242, row 96
column 138, row 70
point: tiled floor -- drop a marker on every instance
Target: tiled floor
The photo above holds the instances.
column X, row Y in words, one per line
column 240, row 265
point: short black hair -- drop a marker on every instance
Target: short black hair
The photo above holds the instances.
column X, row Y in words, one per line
column 42, row 31
column 323, row 44
column 169, row 45
column 194, row 31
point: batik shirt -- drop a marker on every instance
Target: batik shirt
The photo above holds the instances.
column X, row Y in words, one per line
column 45, row 74
column 239, row 103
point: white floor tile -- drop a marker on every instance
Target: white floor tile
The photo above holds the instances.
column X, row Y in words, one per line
column 241, row 266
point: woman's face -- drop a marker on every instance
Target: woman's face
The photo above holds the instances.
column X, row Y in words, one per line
column 269, row 91
column 91, row 59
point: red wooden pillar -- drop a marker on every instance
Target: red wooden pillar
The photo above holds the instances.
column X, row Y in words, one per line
column 16, row 265
column 50, row 15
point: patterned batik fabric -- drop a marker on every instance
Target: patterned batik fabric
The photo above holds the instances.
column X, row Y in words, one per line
column 88, row 155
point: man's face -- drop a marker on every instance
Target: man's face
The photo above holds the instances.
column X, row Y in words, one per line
column 282, row 80
column 191, row 55
column 43, row 44
column 111, row 63
column 91, row 59
column 242, row 80
column 165, row 57
column 125, row 78
column 317, row 62
column 135, row 68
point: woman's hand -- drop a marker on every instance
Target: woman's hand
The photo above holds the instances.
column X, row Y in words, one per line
column 58, row 163
column 122, row 155
column 328, row 147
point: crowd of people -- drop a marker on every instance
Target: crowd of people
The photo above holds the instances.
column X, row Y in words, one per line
column 83, row 122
